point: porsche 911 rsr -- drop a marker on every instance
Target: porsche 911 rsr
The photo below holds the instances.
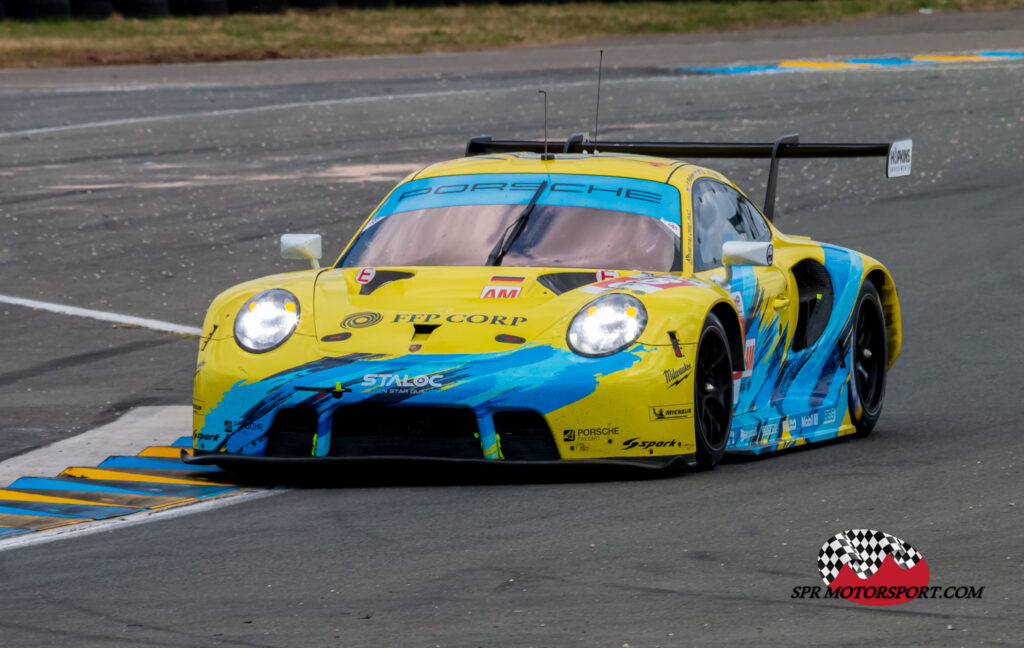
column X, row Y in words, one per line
column 610, row 303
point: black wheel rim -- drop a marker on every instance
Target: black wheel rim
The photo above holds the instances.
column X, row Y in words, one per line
column 869, row 356
column 713, row 393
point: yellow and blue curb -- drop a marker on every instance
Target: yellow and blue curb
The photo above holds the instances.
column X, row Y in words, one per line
column 156, row 478
column 858, row 63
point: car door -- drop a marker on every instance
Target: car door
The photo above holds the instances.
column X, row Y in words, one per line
column 761, row 294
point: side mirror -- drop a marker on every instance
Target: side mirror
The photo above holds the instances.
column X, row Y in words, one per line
column 302, row 246
column 754, row 253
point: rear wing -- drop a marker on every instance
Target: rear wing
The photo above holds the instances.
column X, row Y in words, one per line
column 788, row 146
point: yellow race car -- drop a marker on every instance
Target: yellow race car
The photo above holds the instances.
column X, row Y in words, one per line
column 603, row 303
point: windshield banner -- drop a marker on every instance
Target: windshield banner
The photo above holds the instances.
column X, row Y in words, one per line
column 644, row 197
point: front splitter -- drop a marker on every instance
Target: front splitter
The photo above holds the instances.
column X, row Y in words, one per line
column 404, row 468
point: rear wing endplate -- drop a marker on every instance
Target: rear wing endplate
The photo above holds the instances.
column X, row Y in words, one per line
column 898, row 153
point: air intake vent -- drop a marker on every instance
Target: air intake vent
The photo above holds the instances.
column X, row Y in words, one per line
column 291, row 434
column 525, row 436
column 376, row 430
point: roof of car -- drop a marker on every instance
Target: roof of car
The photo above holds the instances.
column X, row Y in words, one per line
column 631, row 166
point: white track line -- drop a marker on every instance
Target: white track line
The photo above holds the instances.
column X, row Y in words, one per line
column 668, row 77
column 297, row 104
column 103, row 316
column 142, row 517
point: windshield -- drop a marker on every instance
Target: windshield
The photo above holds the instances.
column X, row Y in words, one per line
column 578, row 222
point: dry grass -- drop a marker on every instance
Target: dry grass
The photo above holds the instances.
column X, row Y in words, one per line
column 298, row 34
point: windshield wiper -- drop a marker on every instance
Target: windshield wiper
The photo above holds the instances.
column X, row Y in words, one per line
column 503, row 245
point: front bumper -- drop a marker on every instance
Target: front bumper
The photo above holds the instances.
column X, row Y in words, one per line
column 537, row 403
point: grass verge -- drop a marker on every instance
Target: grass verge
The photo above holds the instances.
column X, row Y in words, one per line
column 302, row 34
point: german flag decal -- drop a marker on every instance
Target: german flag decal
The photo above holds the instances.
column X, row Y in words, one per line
column 503, row 288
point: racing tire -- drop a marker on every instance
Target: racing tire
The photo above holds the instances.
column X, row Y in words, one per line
column 712, row 393
column 869, row 360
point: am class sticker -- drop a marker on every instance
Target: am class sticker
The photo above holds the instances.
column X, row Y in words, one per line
column 899, row 158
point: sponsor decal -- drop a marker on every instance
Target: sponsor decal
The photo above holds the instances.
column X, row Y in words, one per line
column 204, row 436
column 673, row 227
column 603, row 275
column 789, row 425
column 809, row 421
column 899, row 159
column 829, row 416
column 630, row 444
column 403, row 383
column 674, row 377
column 500, row 292
column 576, row 434
column 748, row 358
column 768, row 432
column 238, row 426
column 558, row 187
column 746, row 434
column 197, row 406
column 643, row 197
column 665, row 412
column 366, row 275
column 361, row 320
column 641, row 283
column 460, row 318
column 875, row 568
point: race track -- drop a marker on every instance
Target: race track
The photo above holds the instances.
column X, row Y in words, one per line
column 149, row 198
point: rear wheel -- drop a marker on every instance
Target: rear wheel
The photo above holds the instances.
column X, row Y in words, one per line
column 870, row 360
column 712, row 396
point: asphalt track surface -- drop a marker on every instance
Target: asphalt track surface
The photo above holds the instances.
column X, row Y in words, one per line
column 152, row 218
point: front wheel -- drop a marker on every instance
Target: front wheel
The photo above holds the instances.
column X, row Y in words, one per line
column 712, row 396
column 870, row 360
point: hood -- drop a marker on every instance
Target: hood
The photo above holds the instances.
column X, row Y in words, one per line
column 444, row 309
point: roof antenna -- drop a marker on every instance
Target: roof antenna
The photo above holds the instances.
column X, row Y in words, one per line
column 597, row 107
column 546, row 155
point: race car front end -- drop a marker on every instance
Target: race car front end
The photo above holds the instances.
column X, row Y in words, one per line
column 387, row 375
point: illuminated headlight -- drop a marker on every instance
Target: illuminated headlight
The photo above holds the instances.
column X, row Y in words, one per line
column 266, row 320
column 606, row 325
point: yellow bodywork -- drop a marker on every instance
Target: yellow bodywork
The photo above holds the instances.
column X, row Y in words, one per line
column 640, row 405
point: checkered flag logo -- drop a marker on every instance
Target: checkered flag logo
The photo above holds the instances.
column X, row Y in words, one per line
column 863, row 550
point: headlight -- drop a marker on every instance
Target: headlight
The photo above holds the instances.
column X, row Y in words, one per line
column 606, row 325
column 266, row 320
